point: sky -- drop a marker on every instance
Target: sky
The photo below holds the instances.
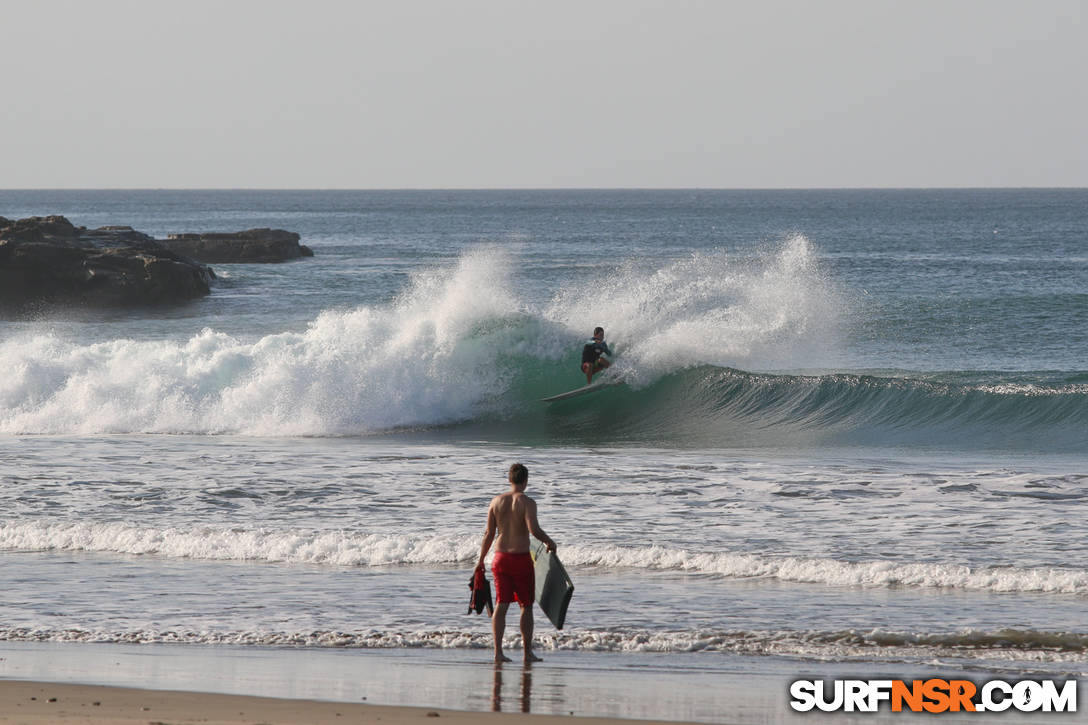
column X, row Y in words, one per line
column 547, row 94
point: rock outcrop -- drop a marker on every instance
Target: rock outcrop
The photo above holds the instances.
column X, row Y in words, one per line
column 252, row 245
column 48, row 262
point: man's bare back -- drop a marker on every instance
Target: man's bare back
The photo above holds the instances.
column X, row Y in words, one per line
column 514, row 514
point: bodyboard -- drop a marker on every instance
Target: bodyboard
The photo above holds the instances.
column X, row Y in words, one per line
column 553, row 586
column 592, row 388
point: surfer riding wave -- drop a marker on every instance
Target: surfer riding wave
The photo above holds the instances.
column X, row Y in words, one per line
column 593, row 355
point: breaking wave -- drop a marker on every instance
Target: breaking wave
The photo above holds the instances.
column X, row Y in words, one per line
column 460, row 353
column 344, row 548
column 1025, row 647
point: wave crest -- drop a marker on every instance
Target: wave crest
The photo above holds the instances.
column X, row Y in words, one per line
column 1020, row 646
column 458, row 344
column 345, row 548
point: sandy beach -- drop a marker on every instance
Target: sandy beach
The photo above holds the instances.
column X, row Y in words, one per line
column 41, row 702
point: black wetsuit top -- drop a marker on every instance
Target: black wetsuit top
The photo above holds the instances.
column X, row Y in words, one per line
column 593, row 350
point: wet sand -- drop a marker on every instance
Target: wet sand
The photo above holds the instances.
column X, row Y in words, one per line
column 683, row 688
column 46, row 702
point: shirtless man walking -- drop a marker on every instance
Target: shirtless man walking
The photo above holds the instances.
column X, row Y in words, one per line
column 512, row 515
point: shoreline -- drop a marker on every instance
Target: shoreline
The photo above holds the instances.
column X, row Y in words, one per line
column 155, row 684
column 34, row 702
column 610, row 688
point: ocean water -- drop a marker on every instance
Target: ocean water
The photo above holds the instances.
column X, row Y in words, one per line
column 853, row 430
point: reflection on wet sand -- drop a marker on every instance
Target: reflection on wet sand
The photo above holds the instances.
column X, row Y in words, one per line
column 525, row 701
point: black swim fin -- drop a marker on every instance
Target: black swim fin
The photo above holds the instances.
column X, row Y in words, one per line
column 480, row 597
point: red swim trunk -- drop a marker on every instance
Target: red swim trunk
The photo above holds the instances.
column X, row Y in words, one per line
column 515, row 577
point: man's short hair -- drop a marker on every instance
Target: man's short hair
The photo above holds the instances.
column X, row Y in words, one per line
column 598, row 330
column 519, row 475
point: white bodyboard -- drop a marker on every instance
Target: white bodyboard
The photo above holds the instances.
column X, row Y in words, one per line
column 591, row 388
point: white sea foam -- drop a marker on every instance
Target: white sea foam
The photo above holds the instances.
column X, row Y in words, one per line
column 1030, row 390
column 840, row 573
column 446, row 350
column 409, row 363
column 1002, row 646
column 345, row 548
column 713, row 309
column 335, row 548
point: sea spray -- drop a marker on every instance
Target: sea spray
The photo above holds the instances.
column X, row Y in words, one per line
column 698, row 342
column 775, row 310
column 457, row 344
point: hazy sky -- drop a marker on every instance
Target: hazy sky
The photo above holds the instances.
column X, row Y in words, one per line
column 615, row 93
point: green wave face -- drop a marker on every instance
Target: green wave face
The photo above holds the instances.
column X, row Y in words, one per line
column 725, row 407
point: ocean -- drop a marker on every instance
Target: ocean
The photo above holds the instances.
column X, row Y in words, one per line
column 852, row 434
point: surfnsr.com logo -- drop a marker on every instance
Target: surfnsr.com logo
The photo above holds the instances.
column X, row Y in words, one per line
column 934, row 695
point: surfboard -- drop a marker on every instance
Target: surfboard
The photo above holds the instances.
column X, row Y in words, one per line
column 553, row 586
column 591, row 388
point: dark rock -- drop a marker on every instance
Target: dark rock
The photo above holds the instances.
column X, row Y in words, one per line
column 252, row 245
column 48, row 262
column 51, row 229
column 118, row 236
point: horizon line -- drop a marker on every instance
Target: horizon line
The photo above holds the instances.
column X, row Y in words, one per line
column 545, row 188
